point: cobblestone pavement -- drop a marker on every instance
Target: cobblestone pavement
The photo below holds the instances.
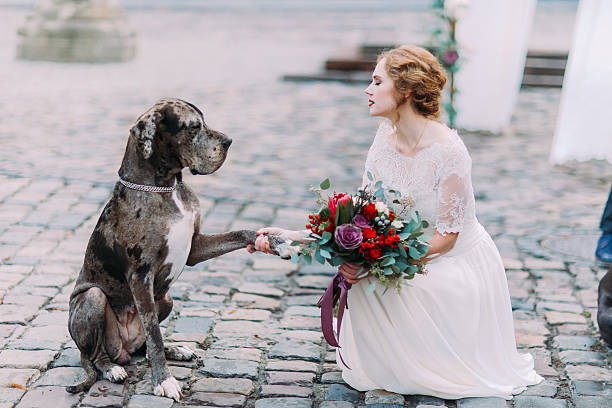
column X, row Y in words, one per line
column 252, row 318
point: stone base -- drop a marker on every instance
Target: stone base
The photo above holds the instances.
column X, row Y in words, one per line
column 67, row 31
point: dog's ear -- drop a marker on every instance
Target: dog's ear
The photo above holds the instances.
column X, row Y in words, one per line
column 144, row 129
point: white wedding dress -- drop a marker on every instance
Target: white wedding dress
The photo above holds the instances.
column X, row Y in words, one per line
column 449, row 333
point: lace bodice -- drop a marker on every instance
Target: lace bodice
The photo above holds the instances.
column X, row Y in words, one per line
column 436, row 181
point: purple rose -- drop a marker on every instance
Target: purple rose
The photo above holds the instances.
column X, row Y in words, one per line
column 348, row 236
column 361, row 221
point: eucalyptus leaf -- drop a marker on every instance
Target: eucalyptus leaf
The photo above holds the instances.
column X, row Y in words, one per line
column 371, row 288
column 402, row 251
column 307, row 258
column 378, row 184
column 325, row 184
column 388, row 271
column 295, row 258
column 325, row 237
column 388, row 261
column 414, row 253
column 336, row 261
column 318, row 257
column 370, row 177
column 325, row 253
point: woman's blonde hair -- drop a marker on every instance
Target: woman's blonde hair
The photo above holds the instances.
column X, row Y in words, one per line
column 415, row 71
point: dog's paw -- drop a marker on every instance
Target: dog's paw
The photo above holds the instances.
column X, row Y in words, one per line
column 115, row 374
column 170, row 388
column 180, row 353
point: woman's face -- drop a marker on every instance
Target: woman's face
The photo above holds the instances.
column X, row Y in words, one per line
column 381, row 92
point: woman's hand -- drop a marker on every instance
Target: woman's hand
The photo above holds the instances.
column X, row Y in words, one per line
column 351, row 272
column 262, row 244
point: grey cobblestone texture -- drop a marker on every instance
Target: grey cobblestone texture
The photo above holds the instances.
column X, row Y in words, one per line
column 252, row 319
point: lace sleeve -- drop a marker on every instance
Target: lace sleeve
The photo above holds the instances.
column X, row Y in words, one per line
column 455, row 190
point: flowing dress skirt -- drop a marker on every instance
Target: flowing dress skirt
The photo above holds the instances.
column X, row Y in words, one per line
column 449, row 333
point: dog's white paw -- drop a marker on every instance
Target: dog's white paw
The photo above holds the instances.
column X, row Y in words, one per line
column 115, row 374
column 170, row 388
column 180, row 353
column 285, row 251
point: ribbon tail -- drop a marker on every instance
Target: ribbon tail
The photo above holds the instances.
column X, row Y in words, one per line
column 327, row 313
column 344, row 288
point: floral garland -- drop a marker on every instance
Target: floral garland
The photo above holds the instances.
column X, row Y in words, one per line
column 444, row 46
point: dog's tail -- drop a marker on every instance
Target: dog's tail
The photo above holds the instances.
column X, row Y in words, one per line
column 91, row 377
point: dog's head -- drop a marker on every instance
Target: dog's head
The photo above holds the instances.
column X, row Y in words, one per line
column 173, row 134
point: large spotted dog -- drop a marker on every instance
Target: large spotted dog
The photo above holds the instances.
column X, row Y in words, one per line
column 146, row 234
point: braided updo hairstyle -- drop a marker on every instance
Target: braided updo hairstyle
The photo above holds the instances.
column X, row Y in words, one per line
column 415, row 71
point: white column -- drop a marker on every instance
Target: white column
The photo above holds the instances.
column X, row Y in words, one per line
column 492, row 38
column 584, row 125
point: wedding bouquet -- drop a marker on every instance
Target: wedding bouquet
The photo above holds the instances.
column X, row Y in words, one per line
column 364, row 229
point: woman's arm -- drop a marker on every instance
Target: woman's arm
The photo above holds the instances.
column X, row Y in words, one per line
column 440, row 245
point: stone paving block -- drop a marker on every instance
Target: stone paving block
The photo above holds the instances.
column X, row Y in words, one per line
column 538, row 402
column 53, row 318
column 559, row 307
column 547, row 388
column 68, row 357
column 336, row 404
column 427, row 400
column 581, row 357
column 11, row 314
column 303, row 300
column 8, row 396
column 283, row 402
column 301, row 350
column 105, row 387
column 289, row 378
column 230, row 368
column 573, row 329
column 593, row 402
column 41, row 397
column 217, row 399
column 102, row 401
column 199, row 325
column 26, row 359
column 563, row 317
column 62, row 376
column 20, row 376
column 588, row 373
column 149, row 401
column 255, row 302
column 595, row 388
column 531, row 326
column 299, row 335
column 301, row 323
column 242, row 386
column 203, row 297
column 178, row 372
column 488, row 402
column 310, row 311
column 565, row 342
column 332, row 377
column 529, row 340
column 254, row 315
column 268, row 390
column 260, row 289
column 383, row 397
column 339, row 392
column 240, row 328
column 292, row 365
column 234, row 353
column 313, row 281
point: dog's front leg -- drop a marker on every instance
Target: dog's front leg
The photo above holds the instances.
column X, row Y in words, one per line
column 142, row 290
column 204, row 247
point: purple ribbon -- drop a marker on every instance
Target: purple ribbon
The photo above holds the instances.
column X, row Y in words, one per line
column 327, row 310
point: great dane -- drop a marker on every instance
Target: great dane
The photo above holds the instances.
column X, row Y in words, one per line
column 145, row 235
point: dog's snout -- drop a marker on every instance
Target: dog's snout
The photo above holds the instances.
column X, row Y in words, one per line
column 226, row 142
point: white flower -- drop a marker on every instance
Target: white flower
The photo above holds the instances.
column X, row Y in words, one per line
column 455, row 9
column 397, row 224
column 382, row 207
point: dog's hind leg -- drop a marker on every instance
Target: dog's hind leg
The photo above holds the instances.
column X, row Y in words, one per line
column 88, row 327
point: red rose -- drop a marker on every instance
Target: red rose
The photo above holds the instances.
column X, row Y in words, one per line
column 369, row 233
column 369, row 211
column 374, row 253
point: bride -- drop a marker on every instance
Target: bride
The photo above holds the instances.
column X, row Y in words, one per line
column 448, row 333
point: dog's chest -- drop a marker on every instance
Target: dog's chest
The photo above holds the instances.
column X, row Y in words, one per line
column 181, row 227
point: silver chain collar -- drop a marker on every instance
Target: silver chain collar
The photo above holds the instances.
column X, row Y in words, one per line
column 150, row 189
